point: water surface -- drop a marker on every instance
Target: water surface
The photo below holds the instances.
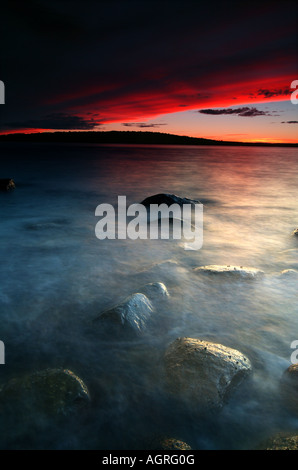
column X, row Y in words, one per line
column 56, row 277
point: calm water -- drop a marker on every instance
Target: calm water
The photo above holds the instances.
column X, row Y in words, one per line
column 56, row 276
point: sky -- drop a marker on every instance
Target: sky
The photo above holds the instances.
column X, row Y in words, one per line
column 220, row 70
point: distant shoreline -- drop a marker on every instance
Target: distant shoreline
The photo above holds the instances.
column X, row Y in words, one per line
column 127, row 137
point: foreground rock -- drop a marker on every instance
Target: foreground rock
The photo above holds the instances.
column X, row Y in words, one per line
column 168, row 199
column 281, row 442
column 204, row 373
column 289, row 388
column 6, row 184
column 233, row 272
column 50, row 393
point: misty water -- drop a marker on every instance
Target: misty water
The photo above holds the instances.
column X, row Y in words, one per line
column 56, row 277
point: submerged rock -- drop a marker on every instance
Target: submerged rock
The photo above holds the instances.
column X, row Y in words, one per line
column 169, row 443
column 155, row 291
column 168, row 271
column 235, row 272
column 132, row 314
column 6, row 184
column 168, row 199
column 291, row 273
column 204, row 373
column 289, row 388
column 51, row 393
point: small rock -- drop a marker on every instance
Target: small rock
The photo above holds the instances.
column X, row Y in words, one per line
column 168, row 199
column 289, row 388
column 295, row 233
column 169, row 443
column 132, row 314
column 204, row 373
column 155, row 291
column 289, row 273
column 6, row 184
column 235, row 272
column 168, row 271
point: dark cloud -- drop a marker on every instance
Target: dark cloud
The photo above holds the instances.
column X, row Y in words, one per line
column 243, row 112
column 143, row 124
column 267, row 94
column 56, row 121
column 289, row 122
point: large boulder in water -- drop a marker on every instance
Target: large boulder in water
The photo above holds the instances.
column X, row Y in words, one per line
column 204, row 373
column 50, row 393
column 230, row 272
column 6, row 184
column 168, row 199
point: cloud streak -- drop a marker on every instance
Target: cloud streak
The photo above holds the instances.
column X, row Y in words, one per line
column 143, row 124
column 242, row 112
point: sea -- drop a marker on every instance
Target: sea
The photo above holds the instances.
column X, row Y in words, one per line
column 56, row 277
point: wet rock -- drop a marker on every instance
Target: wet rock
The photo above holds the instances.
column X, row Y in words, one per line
column 155, row 291
column 50, row 393
column 230, row 272
column 132, row 314
column 290, row 273
column 204, row 373
column 6, row 184
column 168, row 199
column 281, row 442
column 289, row 388
column 295, row 233
column 168, row 271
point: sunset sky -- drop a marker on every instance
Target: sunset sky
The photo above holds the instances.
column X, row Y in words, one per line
column 220, row 70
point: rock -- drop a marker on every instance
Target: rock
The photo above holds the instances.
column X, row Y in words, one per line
column 291, row 273
column 6, row 184
column 169, row 443
column 155, row 291
column 289, row 388
column 204, row 373
column 51, row 393
column 295, row 233
column 132, row 314
column 168, row 199
column 233, row 272
column 168, row 271
column 281, row 442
